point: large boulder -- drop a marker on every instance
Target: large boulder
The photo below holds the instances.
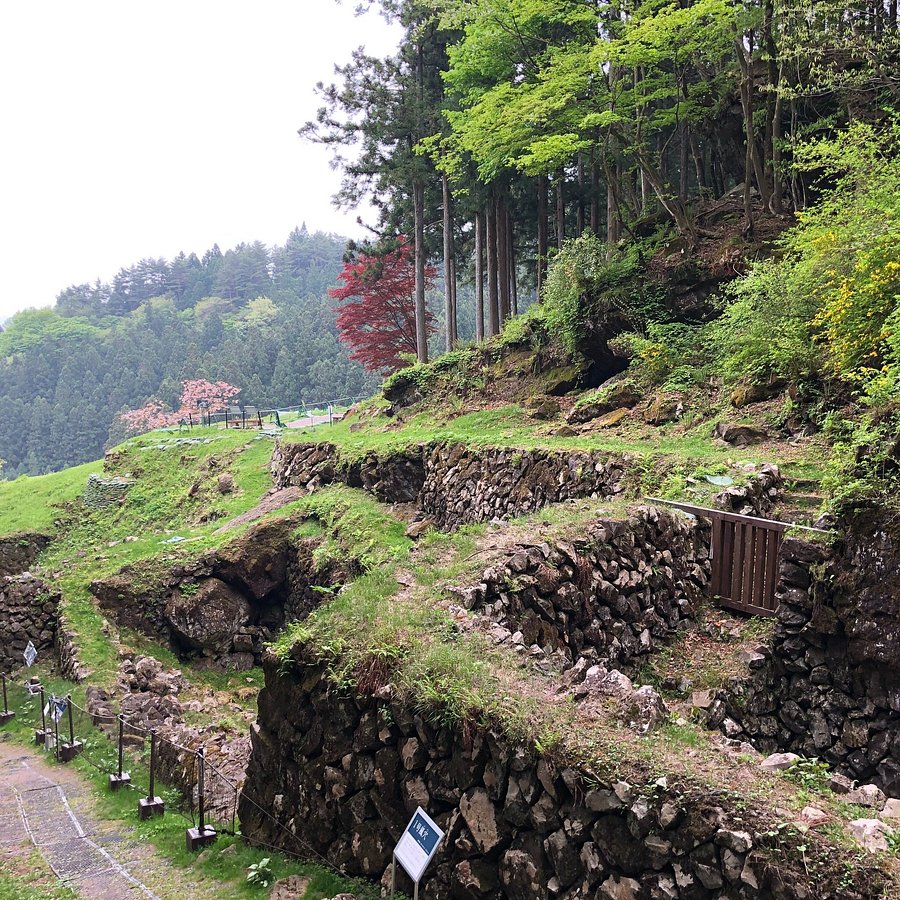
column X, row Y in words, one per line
column 258, row 560
column 207, row 618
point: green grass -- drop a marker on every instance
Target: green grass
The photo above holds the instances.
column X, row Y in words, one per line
column 166, row 834
column 34, row 503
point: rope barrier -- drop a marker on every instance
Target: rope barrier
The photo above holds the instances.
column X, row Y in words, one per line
column 104, row 760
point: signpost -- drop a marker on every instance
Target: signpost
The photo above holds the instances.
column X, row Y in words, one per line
column 416, row 848
column 30, row 654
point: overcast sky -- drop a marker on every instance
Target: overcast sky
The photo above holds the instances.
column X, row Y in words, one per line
column 136, row 129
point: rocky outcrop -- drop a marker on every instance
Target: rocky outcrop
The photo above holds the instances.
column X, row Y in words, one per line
column 454, row 484
column 829, row 684
column 339, row 774
column 755, row 498
column 208, row 617
column 609, row 596
column 226, row 605
column 29, row 611
column 19, row 551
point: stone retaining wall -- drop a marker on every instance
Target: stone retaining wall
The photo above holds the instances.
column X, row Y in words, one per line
column 29, row 611
column 829, row 684
column 610, row 595
column 339, row 774
column 455, row 485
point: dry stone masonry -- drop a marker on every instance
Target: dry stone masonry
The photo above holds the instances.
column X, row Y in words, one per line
column 29, row 611
column 341, row 773
column 454, row 484
column 829, row 684
column 609, row 596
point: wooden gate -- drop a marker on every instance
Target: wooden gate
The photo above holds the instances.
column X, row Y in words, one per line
column 744, row 555
column 745, row 562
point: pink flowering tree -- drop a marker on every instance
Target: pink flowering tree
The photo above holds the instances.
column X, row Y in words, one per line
column 197, row 394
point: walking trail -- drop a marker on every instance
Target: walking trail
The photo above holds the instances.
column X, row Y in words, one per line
column 50, row 808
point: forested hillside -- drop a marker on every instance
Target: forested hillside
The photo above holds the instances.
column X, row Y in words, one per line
column 255, row 317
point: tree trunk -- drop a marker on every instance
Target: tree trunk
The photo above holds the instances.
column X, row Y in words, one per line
column 683, row 163
column 419, row 244
column 479, row 277
column 493, row 308
column 613, row 223
column 502, row 259
column 757, row 167
column 560, row 212
column 449, row 312
column 513, row 287
column 673, row 205
column 579, row 219
column 541, row 233
column 595, row 193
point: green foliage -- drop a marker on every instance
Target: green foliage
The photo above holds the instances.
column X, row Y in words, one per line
column 810, row 773
column 593, row 288
column 452, row 367
column 255, row 317
column 672, row 356
column 261, row 872
column 826, row 306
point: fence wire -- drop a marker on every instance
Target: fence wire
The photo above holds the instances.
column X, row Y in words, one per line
column 99, row 736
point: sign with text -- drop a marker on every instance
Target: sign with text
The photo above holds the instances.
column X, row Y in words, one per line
column 418, row 844
column 30, row 655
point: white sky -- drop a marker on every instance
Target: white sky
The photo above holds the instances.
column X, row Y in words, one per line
column 134, row 129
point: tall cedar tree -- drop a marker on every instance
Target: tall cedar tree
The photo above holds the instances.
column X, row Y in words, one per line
column 377, row 320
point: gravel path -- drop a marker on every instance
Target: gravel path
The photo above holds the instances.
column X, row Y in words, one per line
column 51, row 808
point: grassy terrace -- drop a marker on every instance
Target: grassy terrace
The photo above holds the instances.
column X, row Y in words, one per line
column 666, row 456
column 392, row 626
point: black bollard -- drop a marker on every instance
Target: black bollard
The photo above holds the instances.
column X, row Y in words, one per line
column 151, row 805
column 202, row 836
column 6, row 715
column 71, row 749
column 40, row 734
column 120, row 778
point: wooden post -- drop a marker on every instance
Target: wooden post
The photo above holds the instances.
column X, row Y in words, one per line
column 6, row 715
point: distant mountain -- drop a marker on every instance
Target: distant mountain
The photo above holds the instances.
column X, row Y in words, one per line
column 255, row 316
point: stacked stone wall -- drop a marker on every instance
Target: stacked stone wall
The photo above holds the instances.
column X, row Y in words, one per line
column 29, row 611
column 339, row 774
column 828, row 686
column 455, row 485
column 611, row 595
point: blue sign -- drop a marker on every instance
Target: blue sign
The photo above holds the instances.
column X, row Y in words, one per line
column 418, row 844
column 423, row 834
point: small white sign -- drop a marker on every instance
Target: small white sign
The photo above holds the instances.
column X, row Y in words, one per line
column 418, row 844
column 30, row 654
column 58, row 707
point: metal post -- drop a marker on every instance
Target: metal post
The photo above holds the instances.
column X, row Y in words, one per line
column 393, row 875
column 330, row 414
column 151, row 805
column 40, row 736
column 6, row 715
column 201, row 786
column 243, row 418
column 71, row 722
column 191, row 419
column 151, row 793
column 226, row 417
column 56, row 736
column 116, row 781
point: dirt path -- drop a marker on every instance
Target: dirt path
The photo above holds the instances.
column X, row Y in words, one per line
column 51, row 808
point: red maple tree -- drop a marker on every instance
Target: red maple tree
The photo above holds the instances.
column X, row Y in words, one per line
column 377, row 319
